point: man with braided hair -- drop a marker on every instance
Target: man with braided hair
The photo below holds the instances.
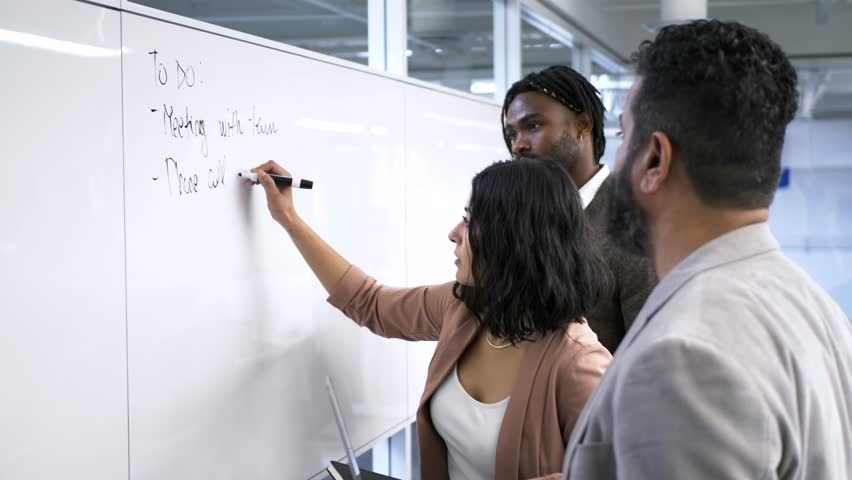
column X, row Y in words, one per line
column 556, row 114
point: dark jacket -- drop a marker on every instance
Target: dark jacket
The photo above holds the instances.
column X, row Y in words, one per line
column 633, row 276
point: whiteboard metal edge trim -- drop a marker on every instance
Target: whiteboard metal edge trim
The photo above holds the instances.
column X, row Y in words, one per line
column 155, row 14
column 113, row 4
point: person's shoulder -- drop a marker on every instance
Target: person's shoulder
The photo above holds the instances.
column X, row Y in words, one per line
column 579, row 334
column 442, row 294
column 689, row 364
column 444, row 290
column 454, row 311
column 579, row 354
column 773, row 301
column 577, row 340
column 725, row 310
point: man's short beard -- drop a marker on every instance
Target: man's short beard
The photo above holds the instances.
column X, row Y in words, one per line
column 566, row 152
column 627, row 224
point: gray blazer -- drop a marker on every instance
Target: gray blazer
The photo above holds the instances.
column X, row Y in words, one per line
column 738, row 367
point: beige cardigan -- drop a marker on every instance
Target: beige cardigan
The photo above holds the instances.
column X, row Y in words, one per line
column 557, row 375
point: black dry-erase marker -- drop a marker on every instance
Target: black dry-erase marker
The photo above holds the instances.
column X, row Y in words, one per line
column 280, row 180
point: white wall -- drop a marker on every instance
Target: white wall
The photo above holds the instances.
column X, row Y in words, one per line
column 812, row 217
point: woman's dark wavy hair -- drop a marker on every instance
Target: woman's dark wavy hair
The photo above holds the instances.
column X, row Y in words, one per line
column 534, row 263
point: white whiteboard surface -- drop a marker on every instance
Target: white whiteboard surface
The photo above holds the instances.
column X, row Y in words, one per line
column 62, row 314
column 229, row 335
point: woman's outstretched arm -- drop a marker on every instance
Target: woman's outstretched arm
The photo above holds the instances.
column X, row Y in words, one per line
column 407, row 313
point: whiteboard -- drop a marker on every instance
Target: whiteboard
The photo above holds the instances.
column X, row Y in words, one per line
column 156, row 322
column 63, row 387
column 230, row 338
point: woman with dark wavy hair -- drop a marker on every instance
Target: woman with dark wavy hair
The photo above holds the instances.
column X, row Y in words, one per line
column 515, row 360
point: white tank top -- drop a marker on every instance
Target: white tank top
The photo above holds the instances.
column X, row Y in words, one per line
column 468, row 427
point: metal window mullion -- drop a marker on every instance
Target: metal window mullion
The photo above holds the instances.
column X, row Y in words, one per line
column 387, row 35
column 376, row 51
column 581, row 59
column 396, row 35
column 507, row 45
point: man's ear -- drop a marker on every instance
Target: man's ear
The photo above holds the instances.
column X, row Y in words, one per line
column 655, row 163
column 584, row 125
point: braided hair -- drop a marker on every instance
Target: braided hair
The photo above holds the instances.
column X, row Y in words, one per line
column 568, row 87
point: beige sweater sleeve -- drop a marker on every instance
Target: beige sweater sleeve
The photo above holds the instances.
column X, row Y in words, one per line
column 406, row 313
column 579, row 381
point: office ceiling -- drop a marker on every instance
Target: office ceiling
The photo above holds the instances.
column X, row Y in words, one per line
column 816, row 34
column 450, row 41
